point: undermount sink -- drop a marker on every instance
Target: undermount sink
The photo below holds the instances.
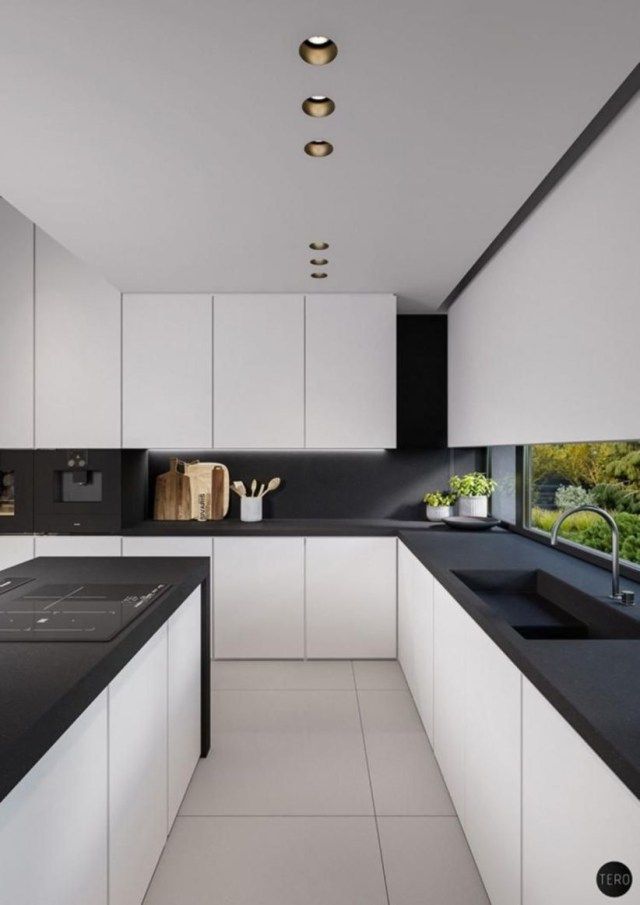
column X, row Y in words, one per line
column 540, row 606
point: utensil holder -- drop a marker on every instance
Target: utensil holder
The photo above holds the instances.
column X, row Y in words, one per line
column 250, row 509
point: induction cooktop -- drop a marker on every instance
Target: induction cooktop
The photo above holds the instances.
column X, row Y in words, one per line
column 74, row 611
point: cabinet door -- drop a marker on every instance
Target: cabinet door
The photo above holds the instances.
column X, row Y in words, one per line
column 16, row 329
column 415, row 632
column 77, row 545
column 351, row 371
column 184, row 715
column 77, row 352
column 172, row 546
column 14, row 549
column 53, row 825
column 577, row 815
column 258, row 594
column 258, row 385
column 493, row 766
column 351, row 597
column 449, row 699
column 166, row 367
column 137, row 771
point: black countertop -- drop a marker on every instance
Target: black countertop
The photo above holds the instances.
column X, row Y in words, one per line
column 45, row 686
column 594, row 684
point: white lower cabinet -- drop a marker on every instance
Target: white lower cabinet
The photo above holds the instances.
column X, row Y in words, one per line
column 53, row 825
column 577, row 815
column 450, row 691
column 258, row 592
column 492, row 765
column 172, row 546
column 415, row 632
column 77, row 545
column 351, row 597
column 14, row 549
column 137, row 771
column 183, row 700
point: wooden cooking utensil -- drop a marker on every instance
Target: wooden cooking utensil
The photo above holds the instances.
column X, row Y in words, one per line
column 239, row 488
column 254, row 485
column 273, row 484
column 217, row 493
column 172, row 501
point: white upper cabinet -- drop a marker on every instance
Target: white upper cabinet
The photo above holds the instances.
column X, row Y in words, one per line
column 167, row 351
column 16, row 329
column 351, row 371
column 258, row 385
column 77, row 341
column 577, row 815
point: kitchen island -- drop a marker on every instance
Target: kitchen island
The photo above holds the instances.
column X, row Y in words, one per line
column 98, row 739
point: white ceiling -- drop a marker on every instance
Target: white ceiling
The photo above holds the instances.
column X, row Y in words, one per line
column 161, row 140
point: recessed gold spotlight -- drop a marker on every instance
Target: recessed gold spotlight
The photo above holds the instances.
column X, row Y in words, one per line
column 318, row 148
column 319, row 246
column 318, row 105
column 319, row 275
column 318, row 262
column 318, row 50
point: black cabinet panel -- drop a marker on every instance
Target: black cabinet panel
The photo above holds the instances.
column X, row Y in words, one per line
column 422, row 381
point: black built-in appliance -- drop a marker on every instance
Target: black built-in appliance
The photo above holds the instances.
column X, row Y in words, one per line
column 16, row 491
column 78, row 491
column 32, row 610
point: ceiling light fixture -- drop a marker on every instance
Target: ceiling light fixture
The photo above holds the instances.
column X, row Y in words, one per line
column 319, row 275
column 318, row 262
column 318, row 105
column 318, row 50
column 319, row 246
column 318, row 148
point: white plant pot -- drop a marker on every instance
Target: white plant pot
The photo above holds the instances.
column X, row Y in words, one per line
column 437, row 513
column 250, row 509
column 475, row 506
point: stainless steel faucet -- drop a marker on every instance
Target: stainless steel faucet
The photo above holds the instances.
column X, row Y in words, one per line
column 626, row 598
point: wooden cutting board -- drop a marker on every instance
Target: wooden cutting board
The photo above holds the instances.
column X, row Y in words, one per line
column 172, row 500
column 218, row 492
column 201, row 475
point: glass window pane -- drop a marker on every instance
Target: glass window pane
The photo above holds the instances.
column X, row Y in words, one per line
column 564, row 475
column 503, row 470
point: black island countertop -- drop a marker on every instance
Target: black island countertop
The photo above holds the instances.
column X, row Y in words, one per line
column 46, row 685
column 593, row 683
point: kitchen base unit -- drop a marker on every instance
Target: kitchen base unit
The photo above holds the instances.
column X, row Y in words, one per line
column 93, row 772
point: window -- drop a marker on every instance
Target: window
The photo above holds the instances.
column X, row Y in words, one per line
column 503, row 469
column 559, row 476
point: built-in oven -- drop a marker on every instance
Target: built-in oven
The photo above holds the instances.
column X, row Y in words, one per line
column 16, row 491
column 77, row 491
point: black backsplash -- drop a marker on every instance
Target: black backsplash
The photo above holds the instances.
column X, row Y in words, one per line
column 332, row 483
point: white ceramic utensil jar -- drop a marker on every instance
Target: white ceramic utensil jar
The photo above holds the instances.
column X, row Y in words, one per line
column 250, row 509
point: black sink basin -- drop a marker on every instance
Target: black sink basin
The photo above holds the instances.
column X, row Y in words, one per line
column 540, row 606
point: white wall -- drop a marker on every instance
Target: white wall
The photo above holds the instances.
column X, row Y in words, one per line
column 544, row 345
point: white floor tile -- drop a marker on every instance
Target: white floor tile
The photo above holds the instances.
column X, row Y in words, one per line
column 270, row 861
column 427, row 862
column 283, row 752
column 283, row 674
column 404, row 772
column 379, row 674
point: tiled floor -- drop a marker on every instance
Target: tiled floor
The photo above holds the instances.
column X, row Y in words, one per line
column 322, row 790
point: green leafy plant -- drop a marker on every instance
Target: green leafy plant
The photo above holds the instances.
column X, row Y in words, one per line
column 570, row 495
column 438, row 498
column 474, row 484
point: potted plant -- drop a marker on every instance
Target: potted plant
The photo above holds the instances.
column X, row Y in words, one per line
column 439, row 505
column 473, row 491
